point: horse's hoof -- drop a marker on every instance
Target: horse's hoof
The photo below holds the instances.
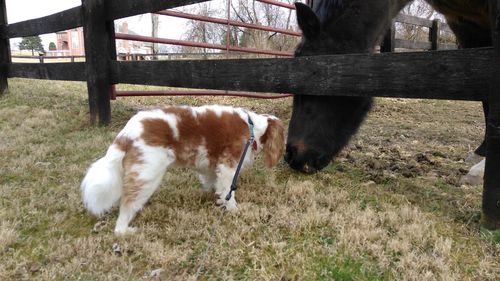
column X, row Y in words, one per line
column 471, row 180
column 473, row 158
column 490, row 226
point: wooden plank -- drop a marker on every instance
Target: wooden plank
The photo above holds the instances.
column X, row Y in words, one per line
column 407, row 44
column 459, row 74
column 434, row 35
column 491, row 192
column 64, row 20
column 4, row 51
column 402, row 18
column 98, row 47
column 125, row 8
column 50, row 71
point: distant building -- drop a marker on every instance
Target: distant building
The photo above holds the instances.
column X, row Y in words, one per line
column 69, row 43
column 126, row 49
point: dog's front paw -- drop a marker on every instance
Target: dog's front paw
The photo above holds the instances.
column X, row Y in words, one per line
column 231, row 207
column 125, row 231
column 227, row 205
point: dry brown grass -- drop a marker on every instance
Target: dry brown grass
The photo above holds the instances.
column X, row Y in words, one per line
column 387, row 209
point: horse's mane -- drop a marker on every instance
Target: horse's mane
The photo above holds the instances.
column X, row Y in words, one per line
column 326, row 7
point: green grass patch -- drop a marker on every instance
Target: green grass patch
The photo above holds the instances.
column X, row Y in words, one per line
column 347, row 269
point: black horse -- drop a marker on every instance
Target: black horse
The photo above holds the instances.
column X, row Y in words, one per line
column 322, row 125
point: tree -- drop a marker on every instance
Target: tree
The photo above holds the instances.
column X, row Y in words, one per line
column 201, row 31
column 247, row 11
column 268, row 15
column 233, row 36
column 52, row 46
column 33, row 43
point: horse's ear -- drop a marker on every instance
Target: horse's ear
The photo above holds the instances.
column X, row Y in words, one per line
column 307, row 20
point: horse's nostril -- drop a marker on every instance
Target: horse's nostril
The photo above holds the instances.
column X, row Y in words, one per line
column 308, row 169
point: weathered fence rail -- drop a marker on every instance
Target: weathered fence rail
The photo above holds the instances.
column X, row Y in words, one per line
column 64, row 20
column 51, row 71
column 458, row 75
column 390, row 43
column 463, row 74
column 438, row 75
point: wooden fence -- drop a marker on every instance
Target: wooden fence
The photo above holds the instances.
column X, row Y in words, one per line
column 390, row 43
column 43, row 58
column 449, row 74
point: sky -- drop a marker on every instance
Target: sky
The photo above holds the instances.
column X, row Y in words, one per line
column 17, row 11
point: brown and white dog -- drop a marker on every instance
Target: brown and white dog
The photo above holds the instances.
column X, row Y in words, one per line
column 209, row 139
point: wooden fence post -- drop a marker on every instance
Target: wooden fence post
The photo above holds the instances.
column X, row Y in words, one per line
column 491, row 191
column 388, row 42
column 99, row 44
column 434, row 34
column 4, row 49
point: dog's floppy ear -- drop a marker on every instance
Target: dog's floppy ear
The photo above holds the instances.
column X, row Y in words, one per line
column 273, row 141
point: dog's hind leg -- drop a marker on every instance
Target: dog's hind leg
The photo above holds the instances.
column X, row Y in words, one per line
column 223, row 182
column 143, row 175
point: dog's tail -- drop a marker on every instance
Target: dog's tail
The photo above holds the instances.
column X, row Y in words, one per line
column 102, row 186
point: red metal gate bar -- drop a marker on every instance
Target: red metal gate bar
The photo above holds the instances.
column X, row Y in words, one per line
column 228, row 27
column 278, row 3
column 227, row 47
column 230, row 22
column 124, row 36
column 198, row 93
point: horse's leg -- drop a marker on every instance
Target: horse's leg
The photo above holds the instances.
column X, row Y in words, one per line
column 491, row 193
column 470, row 35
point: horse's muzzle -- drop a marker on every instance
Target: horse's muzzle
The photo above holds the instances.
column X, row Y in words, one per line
column 303, row 160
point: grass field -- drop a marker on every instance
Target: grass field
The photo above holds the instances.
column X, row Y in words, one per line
column 388, row 208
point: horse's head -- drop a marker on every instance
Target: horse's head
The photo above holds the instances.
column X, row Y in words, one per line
column 321, row 125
